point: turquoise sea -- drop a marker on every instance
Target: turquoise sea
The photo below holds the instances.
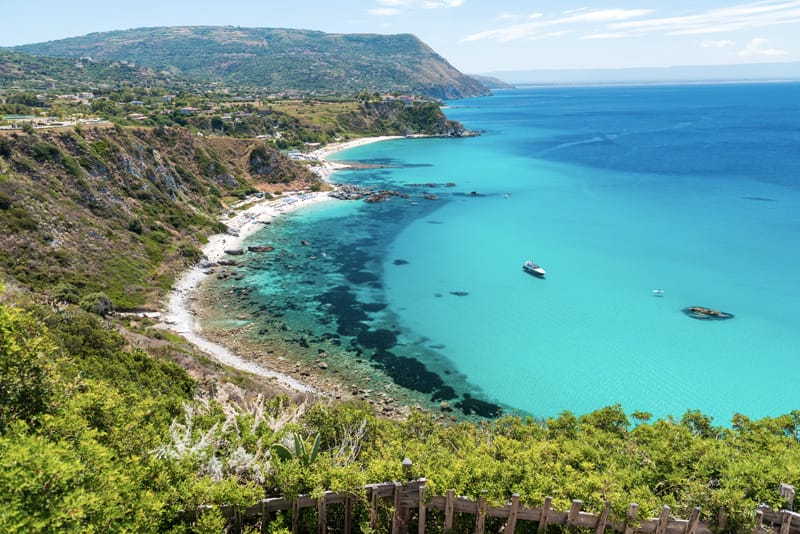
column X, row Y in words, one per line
column 615, row 191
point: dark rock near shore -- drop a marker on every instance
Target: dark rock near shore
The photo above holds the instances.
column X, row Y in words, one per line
column 706, row 314
column 470, row 406
column 354, row 192
column 260, row 248
column 350, row 192
column 234, row 251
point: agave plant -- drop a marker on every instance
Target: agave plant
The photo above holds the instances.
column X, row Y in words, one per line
column 304, row 450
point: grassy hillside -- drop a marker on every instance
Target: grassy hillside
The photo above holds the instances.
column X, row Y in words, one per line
column 29, row 72
column 277, row 59
column 118, row 210
column 71, row 200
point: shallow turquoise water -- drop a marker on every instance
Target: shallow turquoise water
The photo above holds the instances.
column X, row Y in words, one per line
column 616, row 192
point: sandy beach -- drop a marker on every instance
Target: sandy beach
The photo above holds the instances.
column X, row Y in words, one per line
column 181, row 318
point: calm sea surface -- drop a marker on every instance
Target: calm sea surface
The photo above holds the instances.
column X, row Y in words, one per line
column 615, row 191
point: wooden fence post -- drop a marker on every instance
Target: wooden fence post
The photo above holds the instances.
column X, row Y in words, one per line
column 296, row 516
column 548, row 501
column 787, row 492
column 480, row 514
column 373, row 510
column 759, row 522
column 631, row 521
column 396, row 520
column 601, row 521
column 265, row 515
column 421, row 528
column 786, row 523
column 322, row 515
column 511, row 524
column 574, row 510
column 663, row 520
column 694, row 519
column 237, row 521
column 348, row 515
column 449, row 502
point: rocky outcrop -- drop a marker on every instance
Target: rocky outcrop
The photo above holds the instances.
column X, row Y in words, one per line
column 260, row 248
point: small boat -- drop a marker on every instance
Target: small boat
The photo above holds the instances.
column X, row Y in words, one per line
column 658, row 292
column 532, row 268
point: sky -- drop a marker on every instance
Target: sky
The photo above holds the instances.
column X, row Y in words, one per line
column 476, row 36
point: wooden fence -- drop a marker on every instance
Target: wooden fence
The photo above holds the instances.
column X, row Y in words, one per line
column 402, row 498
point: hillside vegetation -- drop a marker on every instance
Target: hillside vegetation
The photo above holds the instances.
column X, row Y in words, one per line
column 118, row 210
column 25, row 71
column 276, row 59
column 98, row 436
column 111, row 424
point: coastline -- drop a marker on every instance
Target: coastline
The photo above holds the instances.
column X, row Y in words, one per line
column 180, row 316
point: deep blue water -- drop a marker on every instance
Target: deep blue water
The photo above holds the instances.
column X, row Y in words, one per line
column 616, row 191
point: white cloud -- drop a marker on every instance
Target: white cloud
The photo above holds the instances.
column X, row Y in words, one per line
column 756, row 48
column 540, row 24
column 390, row 8
column 604, row 36
column 424, row 4
column 738, row 17
column 384, row 11
column 616, row 22
column 604, row 15
column 722, row 43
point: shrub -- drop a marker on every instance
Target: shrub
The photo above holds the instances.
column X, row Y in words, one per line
column 98, row 303
column 72, row 166
column 135, row 226
column 190, row 252
column 66, row 292
column 43, row 151
column 29, row 384
column 5, row 147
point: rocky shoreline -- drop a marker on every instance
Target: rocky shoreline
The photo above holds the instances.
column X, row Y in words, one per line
column 185, row 313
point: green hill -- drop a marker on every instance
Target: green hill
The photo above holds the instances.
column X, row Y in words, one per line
column 32, row 72
column 277, row 59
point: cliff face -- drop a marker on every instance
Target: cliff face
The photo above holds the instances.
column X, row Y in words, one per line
column 121, row 210
column 277, row 59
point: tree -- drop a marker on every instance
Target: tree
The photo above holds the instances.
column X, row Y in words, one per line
column 98, row 303
column 29, row 360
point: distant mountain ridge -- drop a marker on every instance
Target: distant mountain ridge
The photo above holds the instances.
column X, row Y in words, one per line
column 276, row 59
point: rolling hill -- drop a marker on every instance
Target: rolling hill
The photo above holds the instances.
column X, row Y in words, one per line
column 276, row 59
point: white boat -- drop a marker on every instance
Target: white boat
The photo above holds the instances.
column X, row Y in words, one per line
column 532, row 268
column 658, row 292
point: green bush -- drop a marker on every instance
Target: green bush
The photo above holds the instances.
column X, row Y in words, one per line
column 29, row 360
column 66, row 292
column 72, row 166
column 97, row 303
column 135, row 226
column 5, row 201
column 190, row 252
column 5, row 147
column 44, row 151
